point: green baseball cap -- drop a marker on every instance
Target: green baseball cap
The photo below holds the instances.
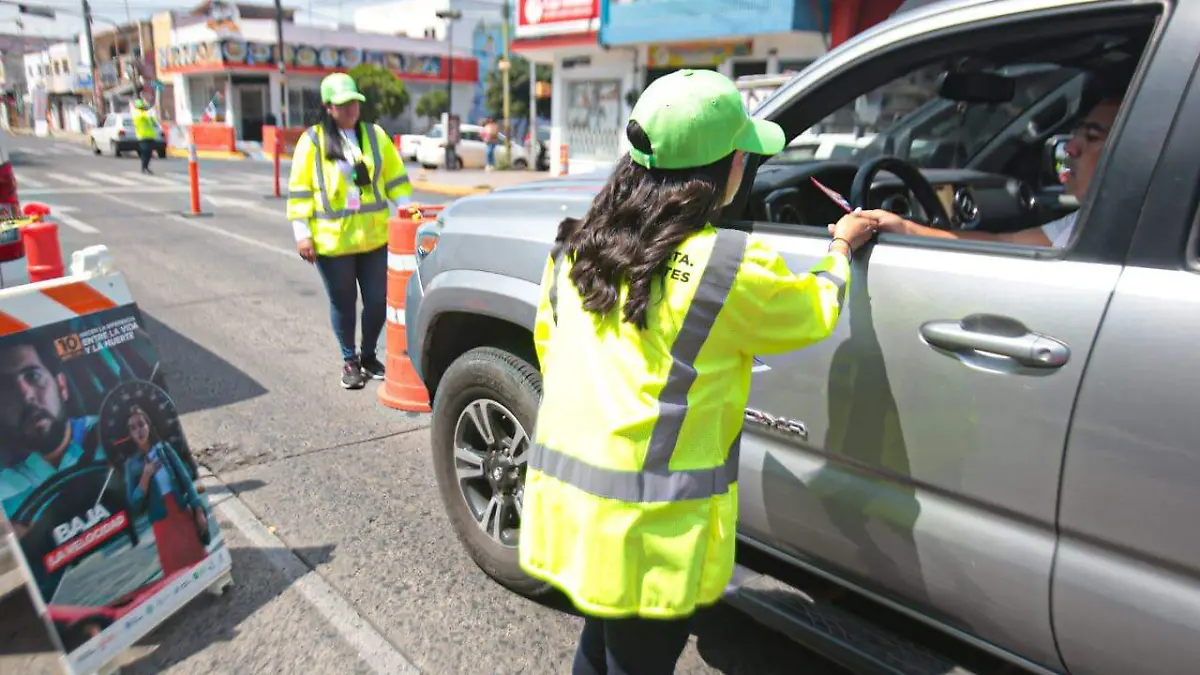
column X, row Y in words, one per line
column 339, row 89
column 694, row 118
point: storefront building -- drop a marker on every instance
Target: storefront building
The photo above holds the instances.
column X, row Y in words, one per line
column 224, row 73
column 605, row 52
column 590, row 85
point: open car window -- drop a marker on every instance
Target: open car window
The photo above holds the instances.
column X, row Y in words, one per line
column 908, row 118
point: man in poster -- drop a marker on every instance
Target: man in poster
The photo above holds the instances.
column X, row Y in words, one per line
column 40, row 440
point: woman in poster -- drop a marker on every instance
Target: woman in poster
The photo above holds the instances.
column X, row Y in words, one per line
column 158, row 483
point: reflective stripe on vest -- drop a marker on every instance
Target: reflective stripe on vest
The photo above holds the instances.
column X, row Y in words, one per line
column 656, row 482
column 327, row 212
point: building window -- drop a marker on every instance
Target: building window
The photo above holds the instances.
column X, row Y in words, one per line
column 593, row 128
column 207, row 99
column 304, row 105
column 743, row 68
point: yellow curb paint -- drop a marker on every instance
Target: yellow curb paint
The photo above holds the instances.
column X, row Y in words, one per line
column 449, row 190
column 206, row 154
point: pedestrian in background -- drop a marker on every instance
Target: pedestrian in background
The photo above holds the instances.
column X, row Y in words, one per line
column 145, row 129
column 346, row 178
column 646, row 333
column 491, row 136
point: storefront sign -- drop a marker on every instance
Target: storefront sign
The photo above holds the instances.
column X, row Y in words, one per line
column 706, row 54
column 111, row 531
column 541, row 17
column 240, row 54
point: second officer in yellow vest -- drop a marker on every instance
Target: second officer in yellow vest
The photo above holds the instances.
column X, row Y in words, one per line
column 647, row 330
column 345, row 174
column 145, row 129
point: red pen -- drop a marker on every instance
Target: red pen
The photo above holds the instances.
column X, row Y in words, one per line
column 833, row 194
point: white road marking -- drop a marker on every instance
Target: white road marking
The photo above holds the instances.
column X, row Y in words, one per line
column 23, row 179
column 73, row 180
column 151, row 179
column 194, row 222
column 108, row 178
column 370, row 645
column 60, row 214
column 243, row 204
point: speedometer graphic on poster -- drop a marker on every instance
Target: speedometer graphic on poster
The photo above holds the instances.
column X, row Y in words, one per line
column 119, row 428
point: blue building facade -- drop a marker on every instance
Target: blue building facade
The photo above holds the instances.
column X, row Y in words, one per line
column 632, row 22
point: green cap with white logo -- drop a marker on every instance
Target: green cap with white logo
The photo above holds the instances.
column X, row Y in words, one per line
column 339, row 89
column 696, row 117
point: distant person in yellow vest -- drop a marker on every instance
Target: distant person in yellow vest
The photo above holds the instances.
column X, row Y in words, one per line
column 146, row 129
column 345, row 173
column 646, row 333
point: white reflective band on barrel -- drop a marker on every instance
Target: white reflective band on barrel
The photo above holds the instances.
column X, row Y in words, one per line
column 402, row 263
column 656, row 482
column 395, row 315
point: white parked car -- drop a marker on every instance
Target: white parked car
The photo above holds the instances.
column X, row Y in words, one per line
column 116, row 136
column 472, row 151
column 409, row 143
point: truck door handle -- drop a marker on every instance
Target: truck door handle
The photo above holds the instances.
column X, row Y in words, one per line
column 997, row 335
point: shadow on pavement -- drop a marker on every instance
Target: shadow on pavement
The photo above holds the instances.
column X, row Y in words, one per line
column 197, row 378
column 209, row 620
column 205, row 621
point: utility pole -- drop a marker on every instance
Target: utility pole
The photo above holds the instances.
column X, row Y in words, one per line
column 283, row 90
column 505, row 65
column 533, row 137
column 87, row 29
column 449, row 16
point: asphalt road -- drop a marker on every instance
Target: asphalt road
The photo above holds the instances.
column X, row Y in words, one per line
column 343, row 559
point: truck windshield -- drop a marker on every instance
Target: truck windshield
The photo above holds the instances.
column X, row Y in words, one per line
column 907, row 118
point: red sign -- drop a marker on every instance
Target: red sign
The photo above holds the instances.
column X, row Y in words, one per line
column 533, row 13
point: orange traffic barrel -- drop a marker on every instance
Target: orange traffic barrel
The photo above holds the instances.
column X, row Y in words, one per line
column 401, row 388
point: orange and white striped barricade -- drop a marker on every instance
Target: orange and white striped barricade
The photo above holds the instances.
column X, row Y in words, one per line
column 104, row 556
column 401, row 388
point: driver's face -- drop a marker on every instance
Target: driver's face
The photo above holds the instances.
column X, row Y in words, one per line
column 32, row 411
column 1086, row 145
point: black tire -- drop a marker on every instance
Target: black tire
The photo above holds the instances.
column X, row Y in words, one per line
column 483, row 373
column 95, row 148
column 520, row 164
column 112, row 146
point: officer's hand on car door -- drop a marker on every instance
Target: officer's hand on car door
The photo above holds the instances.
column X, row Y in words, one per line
column 306, row 250
column 855, row 228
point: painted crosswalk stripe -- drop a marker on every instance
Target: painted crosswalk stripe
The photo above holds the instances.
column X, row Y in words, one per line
column 113, row 180
column 182, row 178
column 152, row 180
column 25, row 181
column 73, row 180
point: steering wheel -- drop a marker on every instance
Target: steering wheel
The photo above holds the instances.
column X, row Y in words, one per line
column 913, row 180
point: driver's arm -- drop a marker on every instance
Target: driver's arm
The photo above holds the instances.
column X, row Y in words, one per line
column 890, row 222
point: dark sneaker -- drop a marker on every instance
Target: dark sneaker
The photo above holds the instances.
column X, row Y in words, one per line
column 372, row 368
column 352, row 375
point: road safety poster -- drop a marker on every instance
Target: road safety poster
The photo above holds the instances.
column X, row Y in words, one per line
column 99, row 485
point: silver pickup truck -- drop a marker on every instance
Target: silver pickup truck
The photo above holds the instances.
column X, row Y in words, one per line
column 998, row 441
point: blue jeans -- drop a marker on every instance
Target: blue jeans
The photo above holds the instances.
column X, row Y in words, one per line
column 345, row 276
column 491, row 154
column 633, row 646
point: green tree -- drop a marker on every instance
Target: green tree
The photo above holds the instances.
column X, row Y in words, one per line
column 432, row 104
column 386, row 94
column 518, row 91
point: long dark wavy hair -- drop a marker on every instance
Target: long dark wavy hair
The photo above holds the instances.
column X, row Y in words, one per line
column 639, row 218
column 333, row 136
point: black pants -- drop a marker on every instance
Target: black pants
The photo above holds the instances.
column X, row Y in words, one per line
column 145, row 149
column 632, row 646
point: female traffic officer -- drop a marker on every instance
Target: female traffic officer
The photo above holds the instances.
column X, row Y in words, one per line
column 649, row 322
column 344, row 174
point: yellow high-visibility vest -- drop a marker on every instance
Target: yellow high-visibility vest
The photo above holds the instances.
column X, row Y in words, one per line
column 630, row 497
column 143, row 125
column 318, row 192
